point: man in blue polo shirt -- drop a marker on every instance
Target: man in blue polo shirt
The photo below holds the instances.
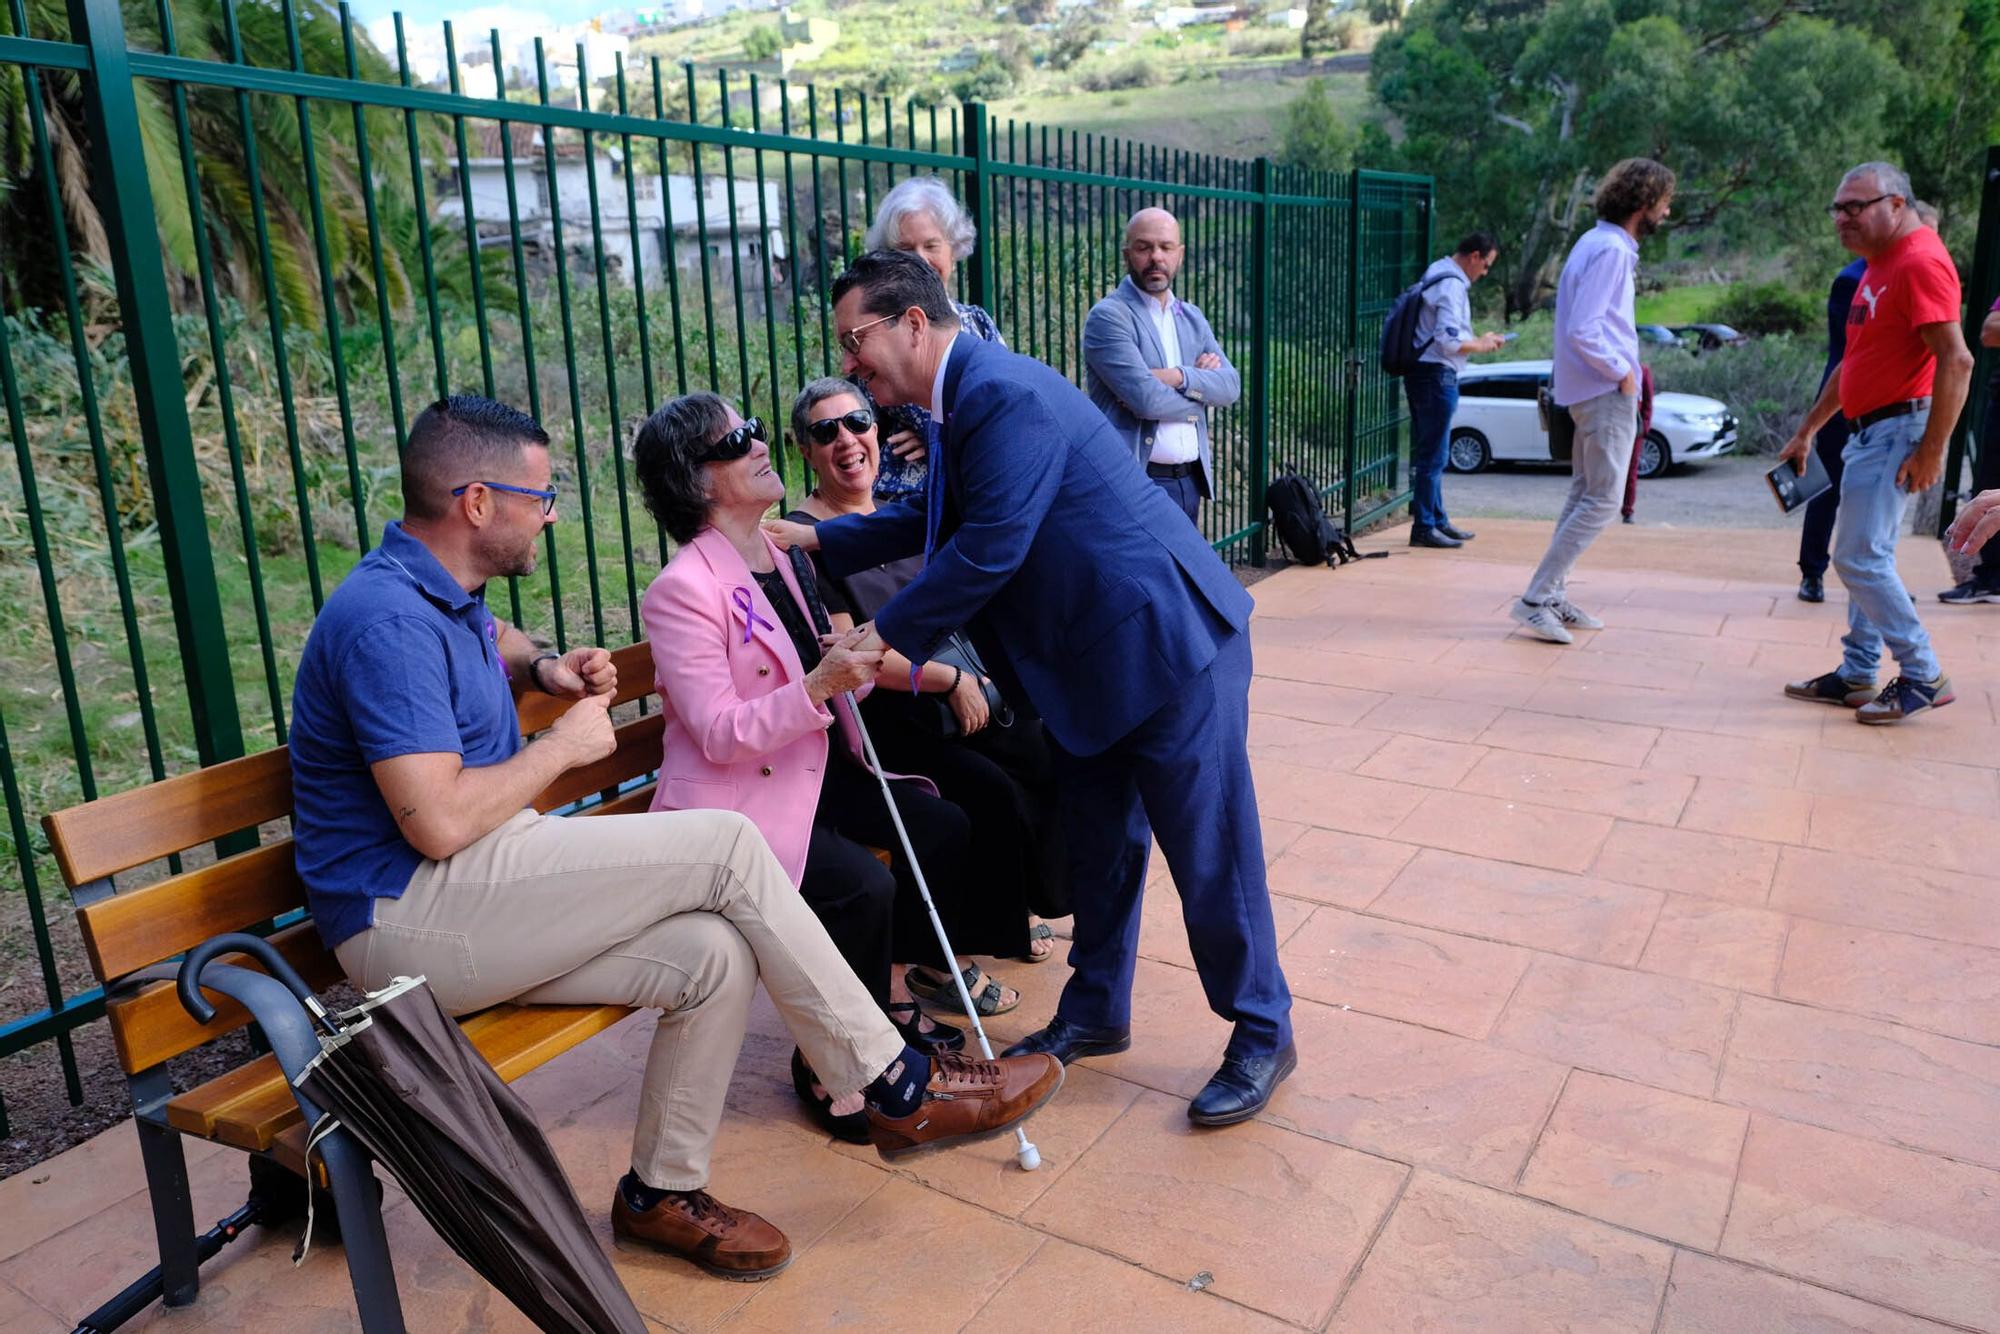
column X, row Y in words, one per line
column 421, row 855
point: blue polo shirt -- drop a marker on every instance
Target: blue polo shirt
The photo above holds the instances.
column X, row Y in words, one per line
column 401, row 661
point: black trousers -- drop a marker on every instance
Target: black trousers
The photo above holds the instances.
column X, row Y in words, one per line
column 1986, row 477
column 873, row 912
column 1816, row 537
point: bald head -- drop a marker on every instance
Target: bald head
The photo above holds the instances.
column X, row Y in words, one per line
column 1153, row 251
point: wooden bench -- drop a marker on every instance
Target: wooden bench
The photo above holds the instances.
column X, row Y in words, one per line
column 251, row 1107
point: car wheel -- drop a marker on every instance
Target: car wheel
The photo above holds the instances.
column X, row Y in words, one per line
column 1468, row 451
column 1655, row 456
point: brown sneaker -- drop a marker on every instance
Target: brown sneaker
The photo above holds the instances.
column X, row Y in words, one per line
column 968, row 1099
column 694, row 1225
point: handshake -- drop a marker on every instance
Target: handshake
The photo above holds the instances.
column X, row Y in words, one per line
column 848, row 661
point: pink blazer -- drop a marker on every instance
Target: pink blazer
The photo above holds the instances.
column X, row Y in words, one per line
column 741, row 733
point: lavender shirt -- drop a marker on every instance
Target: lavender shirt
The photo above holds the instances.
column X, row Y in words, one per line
column 1597, row 342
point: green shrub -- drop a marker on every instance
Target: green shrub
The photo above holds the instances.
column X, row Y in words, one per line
column 1767, row 383
column 1766, row 308
column 1135, row 71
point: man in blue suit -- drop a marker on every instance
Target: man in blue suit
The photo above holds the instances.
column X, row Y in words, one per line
column 1153, row 366
column 1090, row 599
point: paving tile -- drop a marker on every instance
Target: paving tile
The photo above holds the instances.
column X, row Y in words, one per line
column 1456, row 1256
column 1695, row 621
column 1421, row 760
column 1499, row 655
column 1688, row 861
column 1955, row 787
column 1309, row 701
column 1929, row 984
column 1712, row 596
column 1621, row 669
column 1163, row 930
column 1636, row 705
column 38, row 1202
column 1081, row 1291
column 1418, row 1096
column 1177, row 1040
column 1571, row 738
column 1722, row 944
column 1711, row 1296
column 1948, row 740
column 1269, row 630
column 1765, row 629
column 1748, row 810
column 1581, row 785
column 863, row 1273
column 1523, row 905
column 1656, row 1162
column 1508, row 831
column 1330, row 800
column 1880, row 1223
column 1841, row 887
column 1439, row 719
column 1866, row 1077
column 1663, row 646
column 1657, row 1030
column 18, row 1313
column 1310, row 745
column 1279, row 1218
column 1922, row 836
column 1328, row 866
column 1738, row 759
column 1386, row 968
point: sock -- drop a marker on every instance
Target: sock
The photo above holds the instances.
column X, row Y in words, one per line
column 638, row 1196
column 899, row 1090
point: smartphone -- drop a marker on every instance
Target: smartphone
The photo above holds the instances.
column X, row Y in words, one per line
column 1509, row 337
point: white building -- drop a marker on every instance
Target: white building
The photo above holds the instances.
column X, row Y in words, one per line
column 700, row 229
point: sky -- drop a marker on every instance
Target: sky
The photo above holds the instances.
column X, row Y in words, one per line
column 515, row 20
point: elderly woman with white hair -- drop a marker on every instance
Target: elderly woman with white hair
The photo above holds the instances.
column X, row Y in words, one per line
column 924, row 217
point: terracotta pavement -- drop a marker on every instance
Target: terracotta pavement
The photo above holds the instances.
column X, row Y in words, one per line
column 1631, row 996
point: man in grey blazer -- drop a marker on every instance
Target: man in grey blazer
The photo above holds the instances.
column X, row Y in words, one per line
column 1153, row 367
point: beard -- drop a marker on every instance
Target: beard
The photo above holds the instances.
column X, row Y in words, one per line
column 508, row 556
column 1648, row 224
column 1153, row 280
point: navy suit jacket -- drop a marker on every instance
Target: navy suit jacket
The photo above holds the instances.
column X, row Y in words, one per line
column 1085, row 587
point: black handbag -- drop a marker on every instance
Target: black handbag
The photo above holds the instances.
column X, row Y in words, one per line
column 935, row 710
column 1560, row 426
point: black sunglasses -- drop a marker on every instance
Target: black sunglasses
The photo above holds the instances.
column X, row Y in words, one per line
column 733, row 445
column 827, row 429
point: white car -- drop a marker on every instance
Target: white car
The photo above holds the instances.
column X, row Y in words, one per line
column 1498, row 420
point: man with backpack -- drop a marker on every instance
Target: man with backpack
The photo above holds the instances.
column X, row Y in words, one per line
column 1596, row 379
column 1441, row 338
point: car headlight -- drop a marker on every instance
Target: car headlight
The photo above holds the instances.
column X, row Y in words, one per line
column 1705, row 420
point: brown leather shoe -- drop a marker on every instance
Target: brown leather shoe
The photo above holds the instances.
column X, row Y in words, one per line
column 694, row 1225
column 968, row 1099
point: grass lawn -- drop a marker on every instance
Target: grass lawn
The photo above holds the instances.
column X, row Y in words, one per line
column 1679, row 305
column 1206, row 114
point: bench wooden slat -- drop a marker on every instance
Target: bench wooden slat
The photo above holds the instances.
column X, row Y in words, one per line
column 152, row 1026
column 128, row 829
column 638, row 752
column 635, row 681
column 252, row 1105
column 143, row 926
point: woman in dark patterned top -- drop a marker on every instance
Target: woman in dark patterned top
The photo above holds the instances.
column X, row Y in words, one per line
column 923, row 216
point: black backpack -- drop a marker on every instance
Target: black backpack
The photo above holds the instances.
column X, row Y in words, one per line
column 1399, row 352
column 1311, row 537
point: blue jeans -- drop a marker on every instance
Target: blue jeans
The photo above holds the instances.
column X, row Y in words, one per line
column 1433, row 393
column 1879, row 609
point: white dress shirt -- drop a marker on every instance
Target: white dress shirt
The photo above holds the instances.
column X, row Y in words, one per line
column 1173, row 442
column 1597, row 342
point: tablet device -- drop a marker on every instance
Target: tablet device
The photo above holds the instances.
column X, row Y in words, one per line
column 1793, row 488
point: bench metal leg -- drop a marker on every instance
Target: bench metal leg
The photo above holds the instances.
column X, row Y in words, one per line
column 173, row 1211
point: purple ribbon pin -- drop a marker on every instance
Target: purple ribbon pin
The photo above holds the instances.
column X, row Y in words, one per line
column 741, row 597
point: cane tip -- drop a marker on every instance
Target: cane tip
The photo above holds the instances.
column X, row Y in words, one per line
column 1029, row 1157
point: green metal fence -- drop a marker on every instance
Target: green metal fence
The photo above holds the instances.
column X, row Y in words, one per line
column 244, row 246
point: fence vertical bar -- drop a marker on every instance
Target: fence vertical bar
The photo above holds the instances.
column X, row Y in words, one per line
column 1260, row 356
column 1985, row 276
column 442, row 373
column 1352, row 363
column 117, row 151
column 475, row 275
column 979, row 182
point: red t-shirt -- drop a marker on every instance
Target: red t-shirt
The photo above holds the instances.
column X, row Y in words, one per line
column 1911, row 284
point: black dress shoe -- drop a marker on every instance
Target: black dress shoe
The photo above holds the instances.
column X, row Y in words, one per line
column 1070, row 1042
column 1812, row 588
column 1239, row 1090
column 1453, row 530
column 1433, row 537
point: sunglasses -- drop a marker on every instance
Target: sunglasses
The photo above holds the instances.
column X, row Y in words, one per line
column 734, row 444
column 548, row 497
column 827, row 429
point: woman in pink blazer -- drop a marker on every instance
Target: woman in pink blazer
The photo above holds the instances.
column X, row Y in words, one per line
column 750, row 697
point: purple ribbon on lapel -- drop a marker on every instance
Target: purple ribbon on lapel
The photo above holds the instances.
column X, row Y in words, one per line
column 741, row 597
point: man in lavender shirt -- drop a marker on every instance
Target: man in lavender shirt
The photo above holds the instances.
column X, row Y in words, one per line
column 1597, row 379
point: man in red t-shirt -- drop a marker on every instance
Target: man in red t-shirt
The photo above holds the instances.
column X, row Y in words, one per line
column 1901, row 385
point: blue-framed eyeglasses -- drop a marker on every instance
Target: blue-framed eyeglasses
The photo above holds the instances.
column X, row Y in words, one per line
column 548, row 497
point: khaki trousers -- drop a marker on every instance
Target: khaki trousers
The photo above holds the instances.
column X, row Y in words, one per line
column 680, row 911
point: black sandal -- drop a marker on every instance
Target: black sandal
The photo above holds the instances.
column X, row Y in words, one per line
column 942, row 1037
column 853, row 1128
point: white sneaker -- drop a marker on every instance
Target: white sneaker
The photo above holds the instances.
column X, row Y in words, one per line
column 1542, row 622
column 1573, row 615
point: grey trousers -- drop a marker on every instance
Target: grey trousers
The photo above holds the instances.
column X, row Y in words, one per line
column 1605, row 426
column 680, row 911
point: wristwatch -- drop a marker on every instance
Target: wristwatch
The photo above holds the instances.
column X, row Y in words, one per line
column 535, row 670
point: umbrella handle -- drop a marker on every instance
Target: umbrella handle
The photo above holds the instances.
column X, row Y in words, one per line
column 274, row 963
